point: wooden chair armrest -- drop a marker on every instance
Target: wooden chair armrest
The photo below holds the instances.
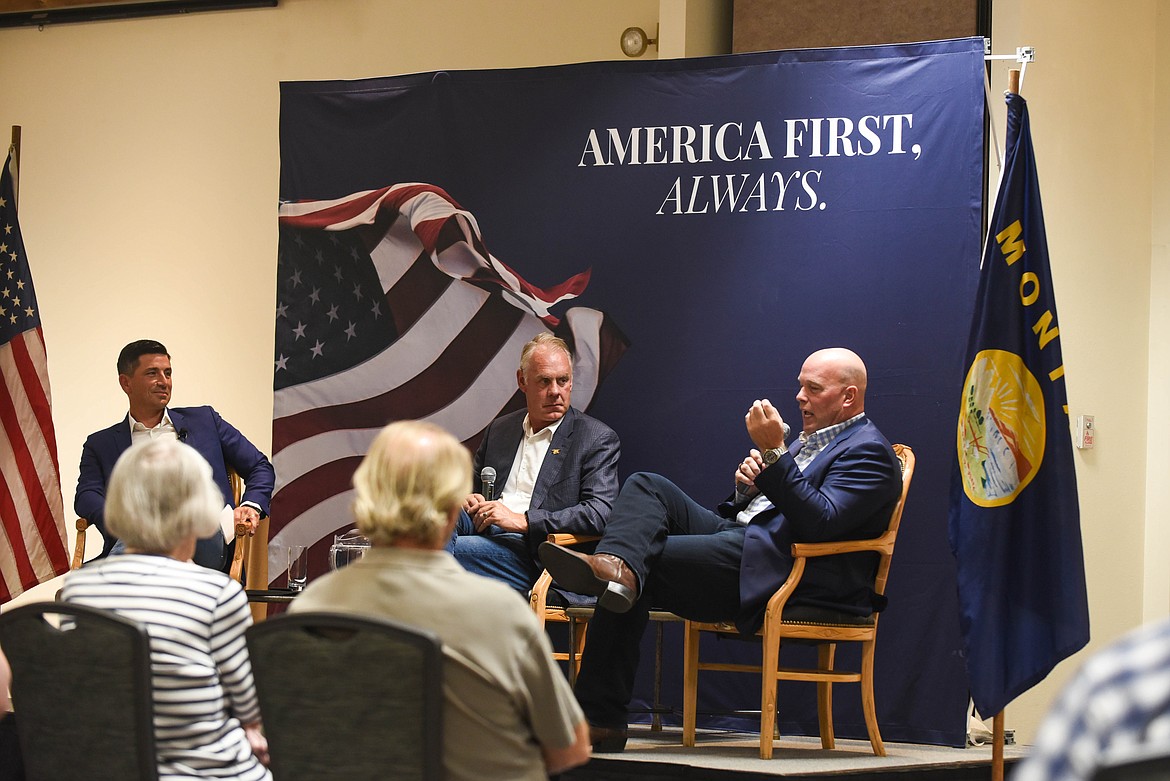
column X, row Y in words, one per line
column 779, row 599
column 79, row 547
column 882, row 544
column 237, row 569
column 803, row 551
column 564, row 538
column 538, row 598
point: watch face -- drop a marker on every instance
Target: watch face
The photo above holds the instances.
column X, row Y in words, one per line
column 772, row 455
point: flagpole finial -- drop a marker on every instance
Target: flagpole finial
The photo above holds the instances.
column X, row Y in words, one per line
column 1014, row 81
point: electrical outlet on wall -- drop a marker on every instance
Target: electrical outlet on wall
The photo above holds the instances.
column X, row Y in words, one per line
column 1086, row 431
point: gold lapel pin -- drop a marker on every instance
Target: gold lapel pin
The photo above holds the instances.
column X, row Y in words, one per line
column 556, row 451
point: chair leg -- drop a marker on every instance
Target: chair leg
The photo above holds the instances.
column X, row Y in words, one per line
column 690, row 681
column 577, row 630
column 656, row 706
column 867, row 701
column 825, row 654
column 771, row 662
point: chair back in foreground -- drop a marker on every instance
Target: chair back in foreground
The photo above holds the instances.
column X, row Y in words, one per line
column 1145, row 762
column 81, row 689
column 349, row 698
column 820, row 627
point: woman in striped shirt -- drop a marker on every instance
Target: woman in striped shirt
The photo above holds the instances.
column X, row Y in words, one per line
column 160, row 500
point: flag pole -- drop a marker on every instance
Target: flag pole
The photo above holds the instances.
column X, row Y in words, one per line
column 997, row 722
column 997, row 747
column 14, row 148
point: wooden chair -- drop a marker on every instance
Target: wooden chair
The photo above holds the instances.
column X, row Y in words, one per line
column 250, row 556
column 538, row 600
column 79, row 546
column 73, row 723
column 826, row 633
column 349, row 697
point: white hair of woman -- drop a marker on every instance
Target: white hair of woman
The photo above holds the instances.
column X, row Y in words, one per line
column 161, row 494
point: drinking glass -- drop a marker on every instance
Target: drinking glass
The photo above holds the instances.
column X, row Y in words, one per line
column 298, row 566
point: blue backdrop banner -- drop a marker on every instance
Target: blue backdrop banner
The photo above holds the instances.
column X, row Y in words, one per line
column 696, row 228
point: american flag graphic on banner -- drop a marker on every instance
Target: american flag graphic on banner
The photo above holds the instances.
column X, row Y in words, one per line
column 390, row 307
column 32, row 548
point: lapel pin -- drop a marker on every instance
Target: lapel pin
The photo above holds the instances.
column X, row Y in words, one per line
column 556, row 451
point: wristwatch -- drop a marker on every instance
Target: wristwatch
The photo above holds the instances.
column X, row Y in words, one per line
column 772, row 454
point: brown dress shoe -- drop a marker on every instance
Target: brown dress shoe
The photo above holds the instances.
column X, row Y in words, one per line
column 601, row 575
column 607, row 740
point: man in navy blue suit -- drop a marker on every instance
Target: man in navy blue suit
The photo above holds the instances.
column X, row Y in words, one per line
column 144, row 373
column 555, row 471
column 841, row 480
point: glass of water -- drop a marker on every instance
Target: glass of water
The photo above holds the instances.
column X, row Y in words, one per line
column 298, row 566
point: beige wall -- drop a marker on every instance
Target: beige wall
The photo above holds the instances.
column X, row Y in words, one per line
column 150, row 178
column 1157, row 541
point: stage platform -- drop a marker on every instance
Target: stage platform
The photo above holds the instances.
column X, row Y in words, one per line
column 734, row 756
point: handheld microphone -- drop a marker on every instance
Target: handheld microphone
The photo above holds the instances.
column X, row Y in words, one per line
column 787, row 429
column 182, row 435
column 487, row 476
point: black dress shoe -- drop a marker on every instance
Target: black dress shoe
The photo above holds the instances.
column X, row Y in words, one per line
column 607, row 740
column 601, row 575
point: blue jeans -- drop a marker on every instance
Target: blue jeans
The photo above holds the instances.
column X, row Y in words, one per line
column 495, row 554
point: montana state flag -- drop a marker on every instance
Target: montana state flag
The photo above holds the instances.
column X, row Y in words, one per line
column 1014, row 521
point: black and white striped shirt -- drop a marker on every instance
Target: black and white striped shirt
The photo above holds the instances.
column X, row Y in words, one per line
column 203, row 689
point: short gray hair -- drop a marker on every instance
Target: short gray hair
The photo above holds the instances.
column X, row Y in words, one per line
column 414, row 476
column 161, row 493
column 543, row 339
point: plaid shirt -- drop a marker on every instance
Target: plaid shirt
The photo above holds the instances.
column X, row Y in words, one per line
column 814, row 443
column 1117, row 703
column 811, row 444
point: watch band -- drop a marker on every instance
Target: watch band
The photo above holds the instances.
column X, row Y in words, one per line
column 772, row 454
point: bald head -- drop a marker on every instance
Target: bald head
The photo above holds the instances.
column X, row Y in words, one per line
column 844, row 364
column 832, row 388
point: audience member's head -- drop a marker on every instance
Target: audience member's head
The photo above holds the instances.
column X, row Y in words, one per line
column 160, row 496
column 411, row 485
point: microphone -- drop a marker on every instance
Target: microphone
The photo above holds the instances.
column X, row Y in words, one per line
column 787, row 429
column 182, row 435
column 487, row 476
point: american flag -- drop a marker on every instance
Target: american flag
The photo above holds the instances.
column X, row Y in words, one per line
column 390, row 307
column 32, row 549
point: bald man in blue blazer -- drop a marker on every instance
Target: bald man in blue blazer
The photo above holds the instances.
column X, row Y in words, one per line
column 662, row 549
column 144, row 373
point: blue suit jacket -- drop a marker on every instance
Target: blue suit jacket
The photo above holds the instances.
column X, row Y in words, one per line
column 220, row 444
column 577, row 482
column 847, row 492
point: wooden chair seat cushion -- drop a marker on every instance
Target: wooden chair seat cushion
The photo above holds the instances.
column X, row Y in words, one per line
column 810, row 614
